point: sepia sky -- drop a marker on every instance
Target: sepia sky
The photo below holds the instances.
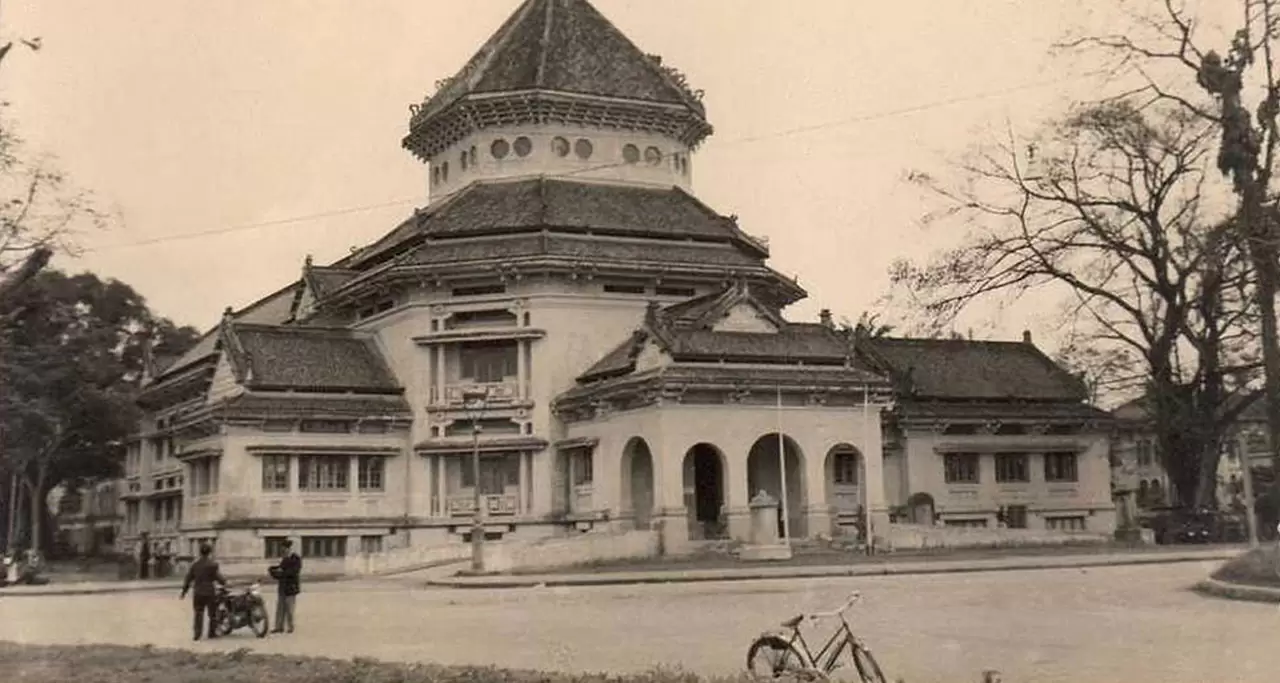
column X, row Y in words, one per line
column 284, row 117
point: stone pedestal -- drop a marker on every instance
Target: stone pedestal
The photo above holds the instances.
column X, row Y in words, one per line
column 764, row 544
column 672, row 525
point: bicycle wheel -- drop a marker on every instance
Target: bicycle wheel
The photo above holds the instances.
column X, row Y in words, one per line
column 773, row 657
column 868, row 670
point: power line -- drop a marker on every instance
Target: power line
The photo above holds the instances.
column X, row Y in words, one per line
column 862, row 118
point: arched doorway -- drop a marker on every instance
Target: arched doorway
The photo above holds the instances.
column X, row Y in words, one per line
column 922, row 509
column 845, row 485
column 763, row 474
column 637, row 482
column 704, row 491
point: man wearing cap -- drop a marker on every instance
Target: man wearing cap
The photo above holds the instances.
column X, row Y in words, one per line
column 288, row 584
column 202, row 575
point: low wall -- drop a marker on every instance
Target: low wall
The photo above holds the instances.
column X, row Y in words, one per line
column 920, row 537
column 595, row 546
column 399, row 559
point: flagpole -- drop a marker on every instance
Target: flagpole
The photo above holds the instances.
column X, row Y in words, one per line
column 782, row 472
column 866, row 450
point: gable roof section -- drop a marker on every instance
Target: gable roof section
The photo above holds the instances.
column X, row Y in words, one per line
column 306, row 359
column 975, row 370
column 565, row 46
column 685, row 331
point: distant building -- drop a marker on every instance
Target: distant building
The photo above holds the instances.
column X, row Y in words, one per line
column 1137, row 468
column 628, row 341
column 88, row 520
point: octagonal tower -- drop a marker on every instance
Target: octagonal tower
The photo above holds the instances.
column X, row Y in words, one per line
column 559, row 92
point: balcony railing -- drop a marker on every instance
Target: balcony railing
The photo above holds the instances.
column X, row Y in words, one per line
column 497, row 504
column 498, row 392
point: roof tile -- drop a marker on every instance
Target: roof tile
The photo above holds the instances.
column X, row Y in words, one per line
column 313, row 358
column 967, row 369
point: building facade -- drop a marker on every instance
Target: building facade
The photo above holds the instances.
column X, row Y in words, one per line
column 626, row 341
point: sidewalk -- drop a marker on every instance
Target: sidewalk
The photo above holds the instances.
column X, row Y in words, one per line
column 765, row 572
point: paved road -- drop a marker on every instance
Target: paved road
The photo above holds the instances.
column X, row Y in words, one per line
column 1136, row 624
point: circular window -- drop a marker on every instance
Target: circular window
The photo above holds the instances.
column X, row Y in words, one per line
column 584, row 148
column 560, row 147
column 444, row 172
column 523, row 147
column 653, row 156
column 631, row 154
column 472, row 155
column 500, row 149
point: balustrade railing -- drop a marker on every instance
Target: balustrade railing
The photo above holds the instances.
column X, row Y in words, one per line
column 495, row 504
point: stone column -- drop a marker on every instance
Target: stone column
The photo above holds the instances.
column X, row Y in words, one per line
column 522, row 385
column 524, row 482
column 669, row 514
column 873, row 467
column 442, row 486
column 737, row 511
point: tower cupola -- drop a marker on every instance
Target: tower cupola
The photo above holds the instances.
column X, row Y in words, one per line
column 558, row 91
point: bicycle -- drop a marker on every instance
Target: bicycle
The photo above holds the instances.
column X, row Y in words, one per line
column 787, row 654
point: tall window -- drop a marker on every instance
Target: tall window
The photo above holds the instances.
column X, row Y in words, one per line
column 845, row 469
column 961, row 468
column 370, row 544
column 1012, row 468
column 204, row 476
column 1060, row 467
column 323, row 472
column 583, row 468
column 495, row 474
column 275, row 473
column 488, row 362
column 371, row 471
column 1065, row 524
column 1145, row 456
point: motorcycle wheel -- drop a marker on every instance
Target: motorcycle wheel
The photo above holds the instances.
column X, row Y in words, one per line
column 258, row 620
column 225, row 620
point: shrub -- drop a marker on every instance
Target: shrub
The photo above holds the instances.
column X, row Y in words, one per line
column 1258, row 567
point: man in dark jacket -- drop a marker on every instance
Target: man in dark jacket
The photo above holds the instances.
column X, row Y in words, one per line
column 202, row 575
column 288, row 584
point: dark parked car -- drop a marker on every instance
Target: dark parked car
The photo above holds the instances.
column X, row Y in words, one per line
column 1181, row 525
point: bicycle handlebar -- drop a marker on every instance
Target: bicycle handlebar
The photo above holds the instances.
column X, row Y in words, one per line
column 854, row 597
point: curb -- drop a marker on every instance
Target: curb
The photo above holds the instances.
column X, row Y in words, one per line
column 46, row 592
column 799, row 573
column 1237, row 591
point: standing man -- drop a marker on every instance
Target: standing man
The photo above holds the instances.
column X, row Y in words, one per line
column 288, row 584
column 203, row 574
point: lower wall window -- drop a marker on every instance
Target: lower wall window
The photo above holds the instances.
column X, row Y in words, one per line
column 273, row 546
column 370, row 544
column 1066, row 523
column 966, row 523
column 324, row 546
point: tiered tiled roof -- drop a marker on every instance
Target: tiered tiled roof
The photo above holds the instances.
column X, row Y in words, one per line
column 559, row 47
column 974, row 370
column 559, row 207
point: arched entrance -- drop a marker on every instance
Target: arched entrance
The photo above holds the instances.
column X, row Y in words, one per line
column 637, row 482
column 704, row 491
column 764, row 474
column 845, row 485
column 921, row 508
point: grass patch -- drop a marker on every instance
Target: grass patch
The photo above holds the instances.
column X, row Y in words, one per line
column 119, row 664
column 1258, row 567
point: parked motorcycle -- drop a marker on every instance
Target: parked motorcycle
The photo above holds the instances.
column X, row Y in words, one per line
column 237, row 610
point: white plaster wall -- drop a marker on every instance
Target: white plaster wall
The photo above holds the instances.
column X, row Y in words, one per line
column 1090, row 494
column 605, row 163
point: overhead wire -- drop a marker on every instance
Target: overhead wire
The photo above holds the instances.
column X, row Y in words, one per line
column 861, row 118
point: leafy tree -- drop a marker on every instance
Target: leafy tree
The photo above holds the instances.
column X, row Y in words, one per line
column 67, row 379
column 1103, row 210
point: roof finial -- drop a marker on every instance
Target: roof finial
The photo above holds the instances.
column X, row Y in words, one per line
column 307, row 262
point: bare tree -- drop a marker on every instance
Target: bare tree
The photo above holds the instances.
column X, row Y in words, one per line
column 1164, row 46
column 1105, row 210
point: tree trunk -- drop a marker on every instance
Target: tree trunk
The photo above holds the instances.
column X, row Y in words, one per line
column 1258, row 228
column 36, row 491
